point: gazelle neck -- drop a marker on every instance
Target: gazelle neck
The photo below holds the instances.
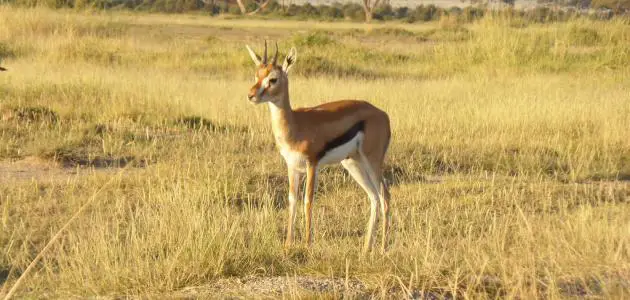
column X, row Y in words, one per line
column 282, row 118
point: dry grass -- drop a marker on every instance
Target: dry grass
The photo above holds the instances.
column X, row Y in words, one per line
column 509, row 163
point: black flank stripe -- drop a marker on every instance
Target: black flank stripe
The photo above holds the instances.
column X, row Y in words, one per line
column 342, row 139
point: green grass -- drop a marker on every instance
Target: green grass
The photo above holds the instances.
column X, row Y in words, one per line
column 509, row 161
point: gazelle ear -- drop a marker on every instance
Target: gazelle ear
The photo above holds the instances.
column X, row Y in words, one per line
column 253, row 55
column 289, row 60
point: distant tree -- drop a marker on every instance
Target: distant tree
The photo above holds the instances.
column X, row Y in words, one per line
column 576, row 3
column 583, row 3
column 368, row 8
column 402, row 12
column 259, row 4
column 617, row 6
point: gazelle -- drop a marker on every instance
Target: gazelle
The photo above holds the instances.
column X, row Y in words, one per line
column 352, row 132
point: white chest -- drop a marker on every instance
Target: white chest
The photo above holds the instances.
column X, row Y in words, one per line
column 294, row 160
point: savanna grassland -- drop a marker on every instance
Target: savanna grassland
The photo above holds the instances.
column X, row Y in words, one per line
column 509, row 165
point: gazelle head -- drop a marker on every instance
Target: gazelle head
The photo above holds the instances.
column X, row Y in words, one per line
column 272, row 81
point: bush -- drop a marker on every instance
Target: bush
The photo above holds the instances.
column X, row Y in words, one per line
column 330, row 12
column 425, row 13
column 401, row 12
column 383, row 12
column 292, row 10
column 250, row 5
column 6, row 51
column 450, row 32
column 353, row 11
column 455, row 11
column 392, row 32
column 470, row 14
column 545, row 14
column 308, row 10
column 272, row 7
column 234, row 10
column 582, row 36
column 618, row 6
column 313, row 39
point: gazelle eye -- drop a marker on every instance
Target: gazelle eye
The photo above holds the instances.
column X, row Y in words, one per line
column 273, row 80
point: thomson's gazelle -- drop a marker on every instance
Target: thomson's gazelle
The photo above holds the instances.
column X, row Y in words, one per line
column 352, row 132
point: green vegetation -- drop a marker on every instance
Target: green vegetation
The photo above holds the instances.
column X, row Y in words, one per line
column 348, row 11
column 509, row 162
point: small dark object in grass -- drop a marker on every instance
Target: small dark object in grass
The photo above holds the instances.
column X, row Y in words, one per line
column 196, row 122
column 201, row 123
column 30, row 114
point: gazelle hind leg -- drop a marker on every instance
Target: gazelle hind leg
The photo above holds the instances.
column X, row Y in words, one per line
column 309, row 198
column 385, row 218
column 373, row 169
column 360, row 174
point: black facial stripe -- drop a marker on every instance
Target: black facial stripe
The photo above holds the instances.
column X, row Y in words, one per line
column 342, row 139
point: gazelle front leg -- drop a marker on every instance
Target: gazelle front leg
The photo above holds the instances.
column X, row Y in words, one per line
column 294, row 190
column 309, row 197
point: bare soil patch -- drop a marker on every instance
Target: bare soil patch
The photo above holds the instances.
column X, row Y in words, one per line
column 272, row 287
column 33, row 168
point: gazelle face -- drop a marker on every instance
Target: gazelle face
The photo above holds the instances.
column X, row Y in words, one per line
column 271, row 80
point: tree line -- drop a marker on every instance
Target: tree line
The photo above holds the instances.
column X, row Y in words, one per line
column 366, row 11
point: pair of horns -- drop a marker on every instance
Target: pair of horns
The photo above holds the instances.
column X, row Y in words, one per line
column 275, row 56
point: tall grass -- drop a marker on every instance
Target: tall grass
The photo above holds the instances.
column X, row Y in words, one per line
column 507, row 164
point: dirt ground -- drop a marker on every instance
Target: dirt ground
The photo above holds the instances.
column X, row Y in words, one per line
column 32, row 168
column 294, row 286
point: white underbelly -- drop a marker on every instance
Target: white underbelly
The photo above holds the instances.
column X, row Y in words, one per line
column 343, row 151
column 298, row 161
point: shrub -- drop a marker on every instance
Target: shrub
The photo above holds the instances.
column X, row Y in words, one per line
column 353, row 11
column 292, row 10
column 383, row 12
column 470, row 14
column 308, row 10
column 583, row 36
column 313, row 39
column 330, row 12
column 234, row 10
column 250, row 5
column 392, row 32
column 272, row 7
column 454, row 11
column 401, row 12
column 425, row 13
